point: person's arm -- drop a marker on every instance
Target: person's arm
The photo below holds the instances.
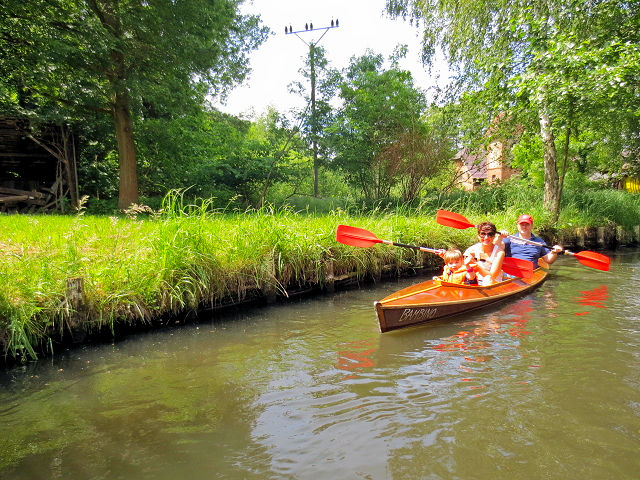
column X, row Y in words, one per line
column 501, row 238
column 552, row 255
column 496, row 265
column 490, row 269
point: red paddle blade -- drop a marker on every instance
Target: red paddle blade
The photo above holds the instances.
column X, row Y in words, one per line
column 452, row 219
column 517, row 267
column 593, row 260
column 356, row 237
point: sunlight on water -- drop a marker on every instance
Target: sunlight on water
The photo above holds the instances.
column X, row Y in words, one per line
column 544, row 386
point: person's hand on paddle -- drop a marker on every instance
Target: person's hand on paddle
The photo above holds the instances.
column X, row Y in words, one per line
column 440, row 252
column 502, row 234
column 469, row 260
column 557, row 249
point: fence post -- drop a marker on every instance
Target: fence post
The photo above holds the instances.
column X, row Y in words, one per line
column 330, row 281
column 76, row 308
column 580, row 237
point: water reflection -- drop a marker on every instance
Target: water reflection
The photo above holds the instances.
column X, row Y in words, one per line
column 485, row 332
column 356, row 356
column 593, row 298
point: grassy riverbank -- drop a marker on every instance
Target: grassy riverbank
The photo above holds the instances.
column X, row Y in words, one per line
column 138, row 270
column 63, row 274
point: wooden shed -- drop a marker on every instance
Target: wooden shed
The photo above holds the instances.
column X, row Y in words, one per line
column 37, row 167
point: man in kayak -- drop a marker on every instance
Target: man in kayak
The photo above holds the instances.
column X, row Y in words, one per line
column 520, row 249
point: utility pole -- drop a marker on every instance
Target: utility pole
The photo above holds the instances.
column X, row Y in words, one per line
column 308, row 27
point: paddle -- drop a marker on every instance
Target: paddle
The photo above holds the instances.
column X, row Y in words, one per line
column 359, row 237
column 517, row 267
column 451, row 219
column 591, row 259
column 587, row 258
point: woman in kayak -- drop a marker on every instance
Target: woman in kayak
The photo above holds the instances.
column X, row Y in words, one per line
column 487, row 256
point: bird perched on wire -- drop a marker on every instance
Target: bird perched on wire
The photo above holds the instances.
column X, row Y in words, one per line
column 306, row 26
column 311, row 26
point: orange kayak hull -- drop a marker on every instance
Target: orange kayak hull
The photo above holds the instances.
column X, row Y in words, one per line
column 432, row 300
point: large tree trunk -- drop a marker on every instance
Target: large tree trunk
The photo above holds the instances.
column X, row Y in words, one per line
column 128, row 193
column 116, row 74
column 551, row 181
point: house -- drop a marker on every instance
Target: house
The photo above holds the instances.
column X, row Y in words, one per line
column 473, row 170
column 490, row 166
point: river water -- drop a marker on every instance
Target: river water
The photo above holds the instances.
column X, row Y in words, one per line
column 545, row 386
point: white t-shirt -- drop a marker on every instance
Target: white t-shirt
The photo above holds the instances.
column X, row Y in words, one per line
column 476, row 251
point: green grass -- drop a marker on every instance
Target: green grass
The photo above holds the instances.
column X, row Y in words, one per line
column 145, row 266
column 137, row 270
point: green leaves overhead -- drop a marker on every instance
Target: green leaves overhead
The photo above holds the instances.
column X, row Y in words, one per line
column 126, row 58
column 560, row 66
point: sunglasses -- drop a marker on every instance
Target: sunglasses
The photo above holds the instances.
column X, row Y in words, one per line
column 485, row 234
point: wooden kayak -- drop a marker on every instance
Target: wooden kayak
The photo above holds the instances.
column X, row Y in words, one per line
column 433, row 299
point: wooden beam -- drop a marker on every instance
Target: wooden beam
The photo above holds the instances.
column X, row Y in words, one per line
column 14, row 199
column 15, row 191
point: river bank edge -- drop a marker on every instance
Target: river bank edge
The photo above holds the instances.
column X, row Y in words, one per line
column 78, row 333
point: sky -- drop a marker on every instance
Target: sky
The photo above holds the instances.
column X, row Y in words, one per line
column 276, row 63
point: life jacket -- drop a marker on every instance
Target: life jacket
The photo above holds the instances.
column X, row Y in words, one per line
column 456, row 276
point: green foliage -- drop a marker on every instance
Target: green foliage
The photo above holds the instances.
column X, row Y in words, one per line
column 559, row 68
column 596, row 207
column 67, row 61
column 379, row 107
column 526, row 156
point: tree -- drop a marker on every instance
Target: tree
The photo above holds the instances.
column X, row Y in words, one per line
column 414, row 157
column 120, row 57
column 561, row 59
column 379, row 108
column 244, row 159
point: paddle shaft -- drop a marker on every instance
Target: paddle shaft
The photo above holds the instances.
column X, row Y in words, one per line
column 414, row 247
column 531, row 242
column 589, row 259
